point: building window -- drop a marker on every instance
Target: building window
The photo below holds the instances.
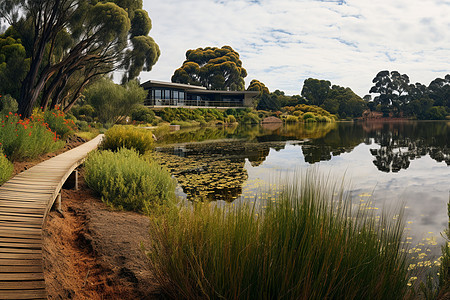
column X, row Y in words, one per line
column 158, row 94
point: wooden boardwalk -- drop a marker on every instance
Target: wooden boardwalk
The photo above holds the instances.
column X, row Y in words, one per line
column 25, row 201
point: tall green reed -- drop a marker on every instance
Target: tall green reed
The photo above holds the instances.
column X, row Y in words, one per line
column 307, row 243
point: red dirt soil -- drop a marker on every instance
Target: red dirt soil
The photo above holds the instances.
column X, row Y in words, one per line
column 92, row 252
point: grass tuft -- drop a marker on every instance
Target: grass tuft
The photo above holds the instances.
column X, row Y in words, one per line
column 307, row 243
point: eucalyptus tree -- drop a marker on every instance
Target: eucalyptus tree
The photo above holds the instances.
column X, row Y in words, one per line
column 392, row 88
column 73, row 42
column 212, row 67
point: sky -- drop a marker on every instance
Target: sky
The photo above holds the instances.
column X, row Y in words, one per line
column 283, row 42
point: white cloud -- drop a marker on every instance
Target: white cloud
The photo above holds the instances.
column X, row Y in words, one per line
column 283, row 42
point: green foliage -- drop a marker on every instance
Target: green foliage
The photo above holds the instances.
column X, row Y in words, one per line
column 119, row 136
column 212, row 67
column 7, row 104
column 6, row 168
column 256, row 85
column 291, row 119
column 307, row 243
column 13, row 65
column 126, row 181
column 143, row 114
column 72, row 43
column 113, row 102
column 250, row 118
column 436, row 113
column 185, row 114
column 392, row 88
column 343, row 101
column 310, row 113
column 316, row 91
column 57, row 122
column 28, row 138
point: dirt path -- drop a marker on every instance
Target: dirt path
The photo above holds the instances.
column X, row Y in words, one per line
column 91, row 252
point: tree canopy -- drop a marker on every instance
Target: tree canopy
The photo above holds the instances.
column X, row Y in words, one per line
column 392, row 88
column 315, row 90
column 256, row 85
column 70, row 43
column 212, row 67
column 397, row 97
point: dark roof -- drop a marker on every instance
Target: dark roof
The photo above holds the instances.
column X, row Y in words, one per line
column 254, row 93
column 155, row 83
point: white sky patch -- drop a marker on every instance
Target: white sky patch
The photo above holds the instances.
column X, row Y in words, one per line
column 284, row 42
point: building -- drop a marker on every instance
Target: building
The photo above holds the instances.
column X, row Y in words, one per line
column 167, row 94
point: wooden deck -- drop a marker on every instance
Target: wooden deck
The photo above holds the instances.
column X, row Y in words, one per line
column 25, row 201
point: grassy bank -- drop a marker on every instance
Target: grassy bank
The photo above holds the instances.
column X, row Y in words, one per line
column 306, row 244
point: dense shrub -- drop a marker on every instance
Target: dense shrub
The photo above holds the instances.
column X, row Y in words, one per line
column 28, row 138
column 126, row 181
column 57, row 122
column 291, row 119
column 143, row 114
column 185, row 114
column 7, row 104
column 126, row 136
column 306, row 244
column 250, row 118
column 6, row 168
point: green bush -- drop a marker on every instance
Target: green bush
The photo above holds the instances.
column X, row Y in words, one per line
column 306, row 244
column 6, row 168
column 143, row 114
column 309, row 115
column 291, row 119
column 7, row 104
column 250, row 118
column 126, row 136
column 126, row 181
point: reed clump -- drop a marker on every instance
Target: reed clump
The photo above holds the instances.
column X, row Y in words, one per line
column 306, row 243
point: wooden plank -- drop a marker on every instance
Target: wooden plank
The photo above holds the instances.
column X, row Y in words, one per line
column 20, row 250
column 24, row 256
column 22, row 276
column 23, row 285
column 24, row 294
column 21, row 269
column 20, row 225
column 20, row 234
column 20, row 262
column 9, row 244
column 12, row 240
column 21, row 213
column 19, row 229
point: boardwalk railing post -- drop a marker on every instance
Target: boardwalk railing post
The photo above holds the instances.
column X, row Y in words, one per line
column 58, row 203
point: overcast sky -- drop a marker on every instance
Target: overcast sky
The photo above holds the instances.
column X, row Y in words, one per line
column 283, row 42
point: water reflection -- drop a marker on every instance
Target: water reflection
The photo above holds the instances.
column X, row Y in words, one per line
column 209, row 162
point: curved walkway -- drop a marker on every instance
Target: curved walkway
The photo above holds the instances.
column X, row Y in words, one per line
column 25, row 201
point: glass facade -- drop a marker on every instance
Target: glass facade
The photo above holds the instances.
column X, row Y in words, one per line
column 160, row 96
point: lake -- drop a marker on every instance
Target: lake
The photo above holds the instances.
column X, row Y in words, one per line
column 385, row 165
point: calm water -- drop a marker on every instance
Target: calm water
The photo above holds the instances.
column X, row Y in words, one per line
column 388, row 164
